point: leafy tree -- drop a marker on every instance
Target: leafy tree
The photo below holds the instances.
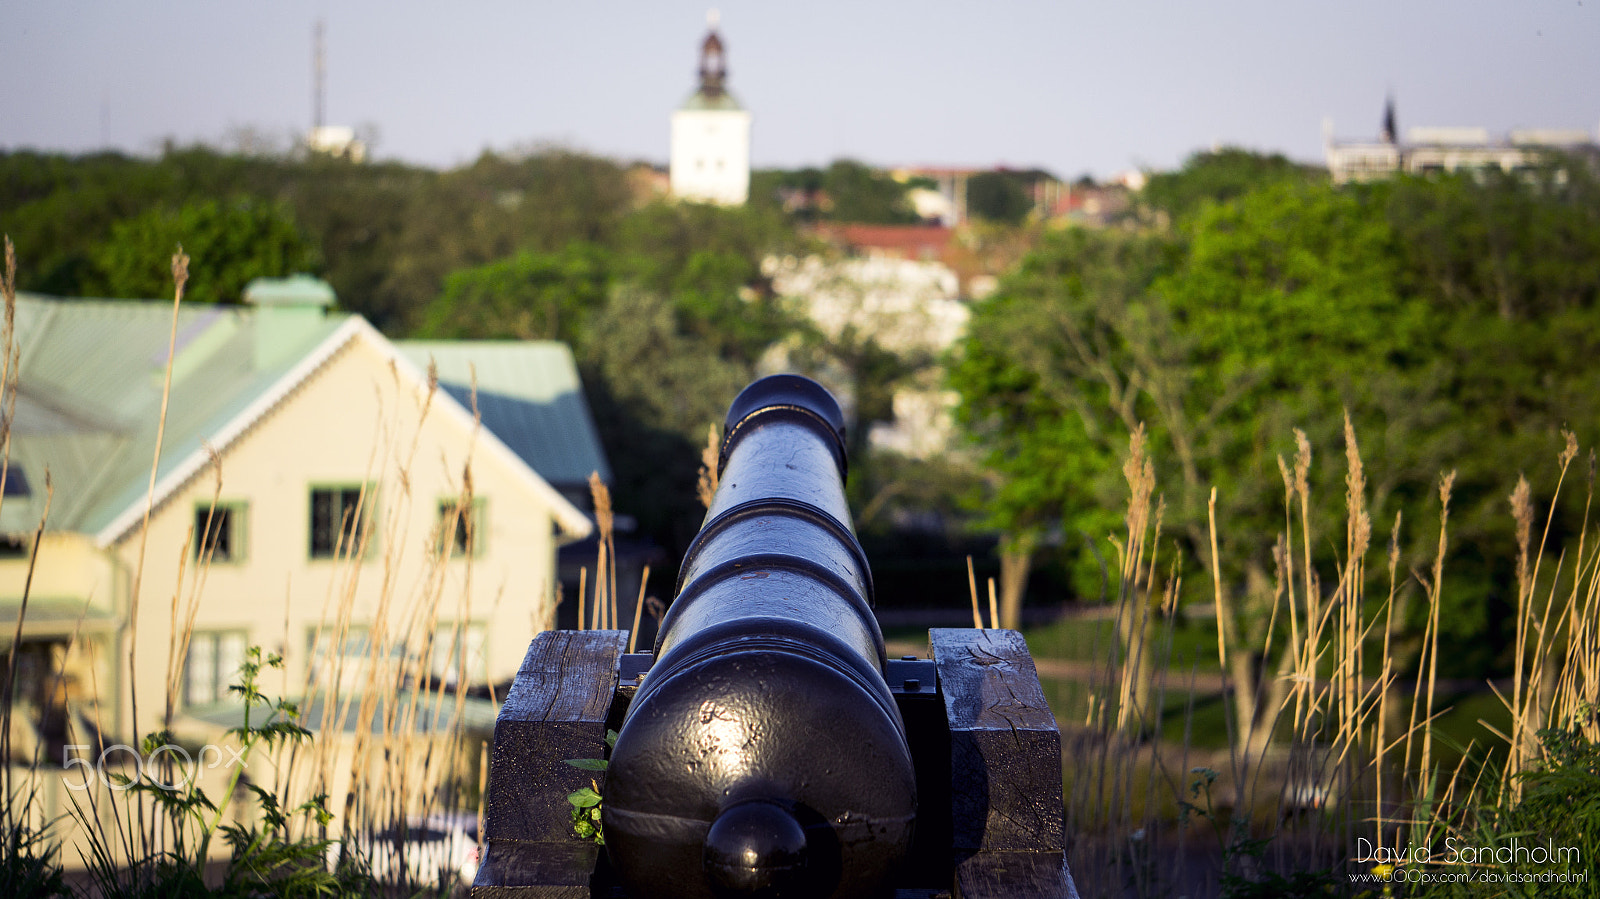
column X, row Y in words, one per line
column 360, row 216
column 1421, row 306
column 529, row 296
column 773, row 190
column 492, row 209
column 1051, row 385
column 859, row 194
column 229, row 244
column 998, row 197
column 1217, row 176
column 387, row 233
column 654, row 389
column 59, row 209
column 676, row 290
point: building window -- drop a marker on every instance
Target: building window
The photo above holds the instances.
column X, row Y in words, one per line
column 219, row 532
column 458, row 650
column 211, row 666
column 460, row 528
column 341, row 520
column 16, row 483
column 349, row 656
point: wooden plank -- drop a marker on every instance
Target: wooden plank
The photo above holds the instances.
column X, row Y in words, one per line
column 517, row 870
column 1014, row 875
column 1005, row 748
column 546, row 688
column 556, row 710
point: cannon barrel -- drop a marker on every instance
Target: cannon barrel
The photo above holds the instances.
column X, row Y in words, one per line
column 764, row 754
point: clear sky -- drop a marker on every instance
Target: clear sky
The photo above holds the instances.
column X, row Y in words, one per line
column 1070, row 86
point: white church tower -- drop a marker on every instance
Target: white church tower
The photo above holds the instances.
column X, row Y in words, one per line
column 711, row 134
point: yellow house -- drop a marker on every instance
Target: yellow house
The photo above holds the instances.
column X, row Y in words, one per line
column 318, row 491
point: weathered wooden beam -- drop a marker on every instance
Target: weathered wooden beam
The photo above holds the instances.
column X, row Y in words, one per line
column 557, row 709
column 1005, row 803
column 1022, row 874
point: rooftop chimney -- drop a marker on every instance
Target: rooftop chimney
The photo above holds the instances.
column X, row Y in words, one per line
column 288, row 311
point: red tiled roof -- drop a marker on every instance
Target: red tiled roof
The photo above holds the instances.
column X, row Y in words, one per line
column 906, row 241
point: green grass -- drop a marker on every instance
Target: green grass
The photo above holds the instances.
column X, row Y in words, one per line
column 1090, row 638
column 1088, row 641
column 1460, row 726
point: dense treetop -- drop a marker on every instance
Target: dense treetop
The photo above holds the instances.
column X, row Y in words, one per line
column 1455, row 318
column 1243, row 297
column 662, row 303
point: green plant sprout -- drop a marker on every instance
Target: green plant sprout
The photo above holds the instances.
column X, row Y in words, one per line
column 1241, row 853
column 586, row 802
column 263, row 854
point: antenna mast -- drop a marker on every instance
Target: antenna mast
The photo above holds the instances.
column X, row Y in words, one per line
column 319, row 70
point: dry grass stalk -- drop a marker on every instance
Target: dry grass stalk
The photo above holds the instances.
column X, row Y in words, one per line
column 1216, row 581
column 1446, row 484
column 16, row 641
column 180, row 278
column 1386, row 679
column 183, row 614
column 638, row 607
column 1348, row 731
column 710, row 456
column 605, row 573
column 972, row 590
column 409, row 730
column 1132, row 610
column 1302, row 486
column 1286, row 552
column 8, row 382
column 583, row 592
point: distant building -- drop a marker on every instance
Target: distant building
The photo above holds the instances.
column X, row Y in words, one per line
column 1094, row 205
column 893, row 289
column 1427, row 150
column 946, row 202
column 926, row 243
column 338, row 141
column 950, row 209
column 711, row 135
column 309, row 470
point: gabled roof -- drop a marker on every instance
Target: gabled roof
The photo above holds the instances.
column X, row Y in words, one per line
column 89, row 403
column 529, row 395
column 89, row 398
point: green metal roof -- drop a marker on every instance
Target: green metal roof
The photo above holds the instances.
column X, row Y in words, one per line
column 90, row 386
column 701, row 100
column 53, row 616
column 529, row 395
column 296, row 290
column 89, row 403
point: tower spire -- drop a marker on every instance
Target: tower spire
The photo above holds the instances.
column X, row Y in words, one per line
column 713, row 62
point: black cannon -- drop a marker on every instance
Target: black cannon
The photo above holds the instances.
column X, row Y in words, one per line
column 768, row 747
column 764, row 753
